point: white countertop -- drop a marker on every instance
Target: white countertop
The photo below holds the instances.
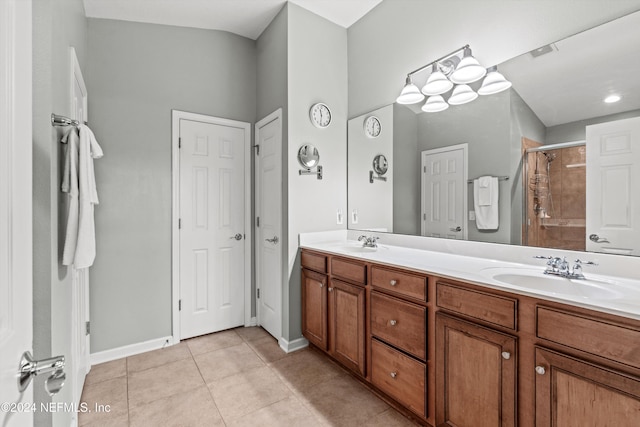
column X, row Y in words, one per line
column 623, row 293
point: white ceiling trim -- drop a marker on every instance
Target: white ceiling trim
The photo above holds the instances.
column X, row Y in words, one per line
column 247, row 18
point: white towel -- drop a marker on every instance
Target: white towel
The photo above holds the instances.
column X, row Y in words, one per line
column 487, row 217
column 79, row 180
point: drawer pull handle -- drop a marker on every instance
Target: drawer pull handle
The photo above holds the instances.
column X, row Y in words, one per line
column 393, row 322
column 506, row 355
column 540, row 370
column 393, row 374
column 393, row 282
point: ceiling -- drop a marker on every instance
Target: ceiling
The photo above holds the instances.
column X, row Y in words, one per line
column 247, row 18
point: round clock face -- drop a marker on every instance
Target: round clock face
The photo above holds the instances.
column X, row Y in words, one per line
column 320, row 115
column 372, row 127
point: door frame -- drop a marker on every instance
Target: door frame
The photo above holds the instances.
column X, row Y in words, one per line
column 276, row 115
column 176, row 116
column 465, row 189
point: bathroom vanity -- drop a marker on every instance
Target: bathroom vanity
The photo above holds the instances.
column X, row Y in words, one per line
column 460, row 348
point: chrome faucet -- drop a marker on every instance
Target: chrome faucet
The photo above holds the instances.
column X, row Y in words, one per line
column 560, row 267
column 368, row 242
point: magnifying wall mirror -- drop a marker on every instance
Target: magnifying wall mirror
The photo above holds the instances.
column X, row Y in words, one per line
column 380, row 164
column 308, row 156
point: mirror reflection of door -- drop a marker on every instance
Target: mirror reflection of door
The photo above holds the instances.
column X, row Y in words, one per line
column 444, row 192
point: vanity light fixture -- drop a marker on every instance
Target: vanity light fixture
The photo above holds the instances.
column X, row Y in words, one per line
column 494, row 82
column 447, row 71
column 410, row 93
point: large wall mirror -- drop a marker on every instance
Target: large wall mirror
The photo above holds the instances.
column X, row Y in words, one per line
column 549, row 140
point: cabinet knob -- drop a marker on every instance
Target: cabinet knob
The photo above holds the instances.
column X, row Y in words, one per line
column 322, row 285
column 393, row 282
column 506, row 355
column 540, row 370
column 330, row 289
column 393, row 374
column 393, row 322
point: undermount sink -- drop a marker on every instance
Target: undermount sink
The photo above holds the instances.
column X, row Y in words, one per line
column 354, row 247
column 536, row 280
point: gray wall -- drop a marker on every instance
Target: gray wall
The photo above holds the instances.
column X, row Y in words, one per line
column 138, row 73
column 398, row 36
column 577, row 131
column 406, row 177
column 57, row 24
column 317, row 72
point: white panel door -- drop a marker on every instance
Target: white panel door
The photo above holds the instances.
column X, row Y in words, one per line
column 269, row 229
column 444, row 192
column 613, row 199
column 212, row 235
column 16, row 284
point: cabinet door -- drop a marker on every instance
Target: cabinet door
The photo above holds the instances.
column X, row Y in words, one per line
column 476, row 375
column 346, row 324
column 314, row 308
column 572, row 392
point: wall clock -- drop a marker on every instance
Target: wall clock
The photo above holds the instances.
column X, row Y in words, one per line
column 372, row 127
column 320, row 115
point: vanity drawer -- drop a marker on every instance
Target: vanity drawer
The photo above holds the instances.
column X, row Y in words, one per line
column 602, row 338
column 409, row 285
column 399, row 323
column 313, row 261
column 501, row 311
column 399, row 376
column 350, row 270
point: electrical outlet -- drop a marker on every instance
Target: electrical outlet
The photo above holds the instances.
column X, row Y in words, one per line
column 472, row 215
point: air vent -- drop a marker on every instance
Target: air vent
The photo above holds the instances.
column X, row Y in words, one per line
column 543, row 50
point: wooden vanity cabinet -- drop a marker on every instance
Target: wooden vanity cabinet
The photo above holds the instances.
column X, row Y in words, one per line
column 314, row 308
column 346, row 315
column 476, row 375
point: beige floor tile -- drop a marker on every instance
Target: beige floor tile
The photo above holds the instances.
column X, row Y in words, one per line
column 194, row 409
column 227, row 361
column 268, row 349
column 107, row 371
column 112, row 393
column 166, row 380
column 252, row 333
column 118, row 421
column 342, row 401
column 304, row 369
column 390, row 418
column 287, row 412
column 248, row 391
column 207, row 343
column 153, row 359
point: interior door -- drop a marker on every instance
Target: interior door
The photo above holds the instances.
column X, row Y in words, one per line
column 212, row 226
column 269, row 223
column 16, row 284
column 613, row 201
column 444, row 192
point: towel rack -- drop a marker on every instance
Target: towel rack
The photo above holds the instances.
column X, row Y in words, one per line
column 500, row 178
column 57, row 120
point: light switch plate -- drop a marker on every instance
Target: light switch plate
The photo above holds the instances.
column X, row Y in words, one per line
column 472, row 215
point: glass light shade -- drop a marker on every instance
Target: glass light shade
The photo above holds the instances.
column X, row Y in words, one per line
column 494, row 82
column 468, row 70
column 410, row 93
column 434, row 104
column 437, row 83
column 462, row 94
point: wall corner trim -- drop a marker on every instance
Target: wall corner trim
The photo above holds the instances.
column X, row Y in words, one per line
column 294, row 345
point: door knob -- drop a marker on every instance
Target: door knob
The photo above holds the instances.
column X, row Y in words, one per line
column 598, row 239
column 238, row 236
column 29, row 368
column 274, row 240
column 458, row 228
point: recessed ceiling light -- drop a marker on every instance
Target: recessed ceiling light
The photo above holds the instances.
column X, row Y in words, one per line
column 612, row 98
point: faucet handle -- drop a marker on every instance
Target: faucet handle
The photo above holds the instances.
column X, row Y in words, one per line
column 580, row 262
column 542, row 257
column 361, row 238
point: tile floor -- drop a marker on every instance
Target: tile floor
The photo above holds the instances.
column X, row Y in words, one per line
column 238, row 377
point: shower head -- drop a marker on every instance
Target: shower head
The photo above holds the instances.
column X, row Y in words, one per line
column 550, row 156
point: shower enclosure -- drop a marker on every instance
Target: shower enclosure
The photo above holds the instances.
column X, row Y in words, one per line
column 554, row 180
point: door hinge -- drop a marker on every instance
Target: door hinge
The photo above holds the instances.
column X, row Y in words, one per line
column 87, row 327
column 424, row 216
column 258, row 293
column 424, row 169
column 179, row 305
column 179, row 223
column 179, row 142
column 257, row 221
column 257, row 147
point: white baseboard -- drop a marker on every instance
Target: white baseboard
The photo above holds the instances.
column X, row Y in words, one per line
column 252, row 322
column 291, row 346
column 130, row 350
